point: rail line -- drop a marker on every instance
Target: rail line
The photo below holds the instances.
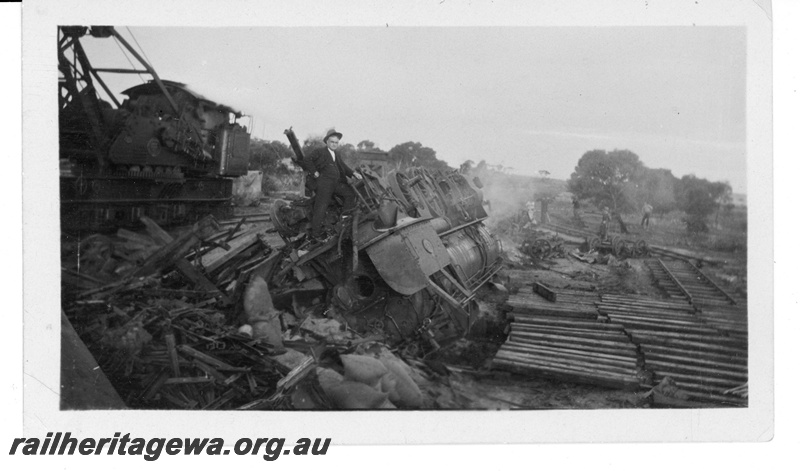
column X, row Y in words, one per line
column 682, row 280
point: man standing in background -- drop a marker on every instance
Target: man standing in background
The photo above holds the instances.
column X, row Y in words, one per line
column 646, row 211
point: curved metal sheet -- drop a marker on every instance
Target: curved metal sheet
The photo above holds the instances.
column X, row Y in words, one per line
column 408, row 256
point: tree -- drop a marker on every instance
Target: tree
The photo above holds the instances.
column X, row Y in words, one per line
column 368, row 146
column 607, row 178
column 270, row 156
column 311, row 143
column 414, row 154
column 657, row 187
column 699, row 198
column 544, row 173
column 272, row 159
column 466, row 167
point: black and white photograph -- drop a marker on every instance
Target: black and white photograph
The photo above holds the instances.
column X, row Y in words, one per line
column 517, row 224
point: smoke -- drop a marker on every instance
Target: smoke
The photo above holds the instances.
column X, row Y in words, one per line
column 506, row 194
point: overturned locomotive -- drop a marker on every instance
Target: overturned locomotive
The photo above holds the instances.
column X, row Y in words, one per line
column 165, row 152
column 405, row 265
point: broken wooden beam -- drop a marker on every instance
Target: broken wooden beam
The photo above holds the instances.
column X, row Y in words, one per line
column 175, row 250
column 544, row 292
column 181, row 264
column 215, row 258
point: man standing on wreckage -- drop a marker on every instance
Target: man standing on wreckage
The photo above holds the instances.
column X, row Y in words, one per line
column 328, row 176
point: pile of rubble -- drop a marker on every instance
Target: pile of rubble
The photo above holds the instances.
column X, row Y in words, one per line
column 187, row 322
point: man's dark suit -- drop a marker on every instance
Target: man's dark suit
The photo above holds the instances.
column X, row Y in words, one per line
column 332, row 180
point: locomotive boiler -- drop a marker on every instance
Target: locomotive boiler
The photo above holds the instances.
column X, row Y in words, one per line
column 165, row 152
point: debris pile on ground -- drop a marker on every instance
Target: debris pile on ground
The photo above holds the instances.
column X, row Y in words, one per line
column 188, row 322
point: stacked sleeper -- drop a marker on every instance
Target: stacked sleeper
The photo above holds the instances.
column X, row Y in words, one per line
column 676, row 343
column 565, row 340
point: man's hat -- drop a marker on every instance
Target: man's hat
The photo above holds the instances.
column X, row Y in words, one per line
column 331, row 132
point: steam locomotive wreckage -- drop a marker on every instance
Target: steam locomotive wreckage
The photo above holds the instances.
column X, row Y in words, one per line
column 403, row 266
column 165, row 152
column 407, row 262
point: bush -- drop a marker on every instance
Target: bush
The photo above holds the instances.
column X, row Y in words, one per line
column 696, row 225
column 732, row 244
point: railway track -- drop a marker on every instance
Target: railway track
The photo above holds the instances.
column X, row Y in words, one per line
column 682, row 280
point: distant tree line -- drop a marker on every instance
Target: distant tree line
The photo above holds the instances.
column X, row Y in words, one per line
column 620, row 181
column 274, row 158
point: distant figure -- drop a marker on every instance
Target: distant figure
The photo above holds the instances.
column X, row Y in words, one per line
column 646, row 211
column 606, row 219
column 545, row 214
column 530, row 206
column 576, row 207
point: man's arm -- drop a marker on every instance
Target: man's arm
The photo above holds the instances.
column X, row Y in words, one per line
column 347, row 170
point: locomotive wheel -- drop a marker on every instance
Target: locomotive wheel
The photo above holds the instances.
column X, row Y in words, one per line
column 541, row 246
column 641, row 249
column 617, row 246
column 593, row 242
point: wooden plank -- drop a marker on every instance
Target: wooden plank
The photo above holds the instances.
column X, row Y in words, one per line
column 219, row 256
column 545, row 292
column 689, row 345
column 581, row 333
column 568, row 353
column 693, row 370
column 716, row 339
column 566, row 339
column 569, row 322
column 660, row 351
column 208, row 359
column 158, row 234
column 175, row 250
column 608, row 380
column 584, row 364
column 184, row 267
column 588, row 348
column 136, row 238
column 522, row 310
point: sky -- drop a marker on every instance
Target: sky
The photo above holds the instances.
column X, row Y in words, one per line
column 528, row 98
